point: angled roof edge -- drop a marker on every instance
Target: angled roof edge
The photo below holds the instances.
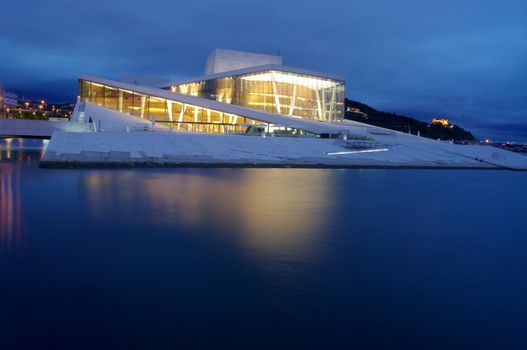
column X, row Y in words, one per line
column 255, row 69
column 313, row 126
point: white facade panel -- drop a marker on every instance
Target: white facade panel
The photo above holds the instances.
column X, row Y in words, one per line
column 222, row 60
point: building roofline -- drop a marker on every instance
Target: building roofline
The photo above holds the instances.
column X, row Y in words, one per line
column 313, row 126
column 255, row 69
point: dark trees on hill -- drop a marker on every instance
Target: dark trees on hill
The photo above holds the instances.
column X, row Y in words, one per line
column 405, row 124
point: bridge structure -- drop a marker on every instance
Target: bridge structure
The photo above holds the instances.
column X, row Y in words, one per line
column 42, row 129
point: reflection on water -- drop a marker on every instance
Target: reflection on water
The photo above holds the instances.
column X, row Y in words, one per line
column 16, row 149
column 296, row 257
column 10, row 213
column 266, row 210
column 15, row 155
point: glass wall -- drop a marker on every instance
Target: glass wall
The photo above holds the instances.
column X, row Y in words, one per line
column 272, row 91
column 175, row 114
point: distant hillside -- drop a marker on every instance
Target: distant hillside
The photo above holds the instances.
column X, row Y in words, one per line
column 365, row 114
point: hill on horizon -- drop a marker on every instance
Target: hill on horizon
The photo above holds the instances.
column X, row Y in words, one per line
column 363, row 113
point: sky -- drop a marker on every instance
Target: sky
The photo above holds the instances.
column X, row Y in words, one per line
column 465, row 60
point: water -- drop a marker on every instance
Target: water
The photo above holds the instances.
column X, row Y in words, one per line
column 260, row 258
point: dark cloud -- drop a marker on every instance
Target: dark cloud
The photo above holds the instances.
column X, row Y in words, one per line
column 462, row 59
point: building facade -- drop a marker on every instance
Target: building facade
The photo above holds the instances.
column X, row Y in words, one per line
column 273, row 89
column 163, row 108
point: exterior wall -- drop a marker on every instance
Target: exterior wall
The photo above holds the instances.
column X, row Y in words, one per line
column 221, row 60
column 273, row 91
column 178, row 115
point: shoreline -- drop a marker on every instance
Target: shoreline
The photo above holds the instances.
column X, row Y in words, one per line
column 226, row 165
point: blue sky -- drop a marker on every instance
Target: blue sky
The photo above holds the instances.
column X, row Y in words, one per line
column 466, row 60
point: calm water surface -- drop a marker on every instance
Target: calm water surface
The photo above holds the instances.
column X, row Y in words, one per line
column 260, row 258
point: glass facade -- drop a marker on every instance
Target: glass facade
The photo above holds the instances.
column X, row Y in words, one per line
column 273, row 91
column 178, row 115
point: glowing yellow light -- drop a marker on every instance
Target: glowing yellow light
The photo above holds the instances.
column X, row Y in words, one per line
column 279, row 77
column 443, row 122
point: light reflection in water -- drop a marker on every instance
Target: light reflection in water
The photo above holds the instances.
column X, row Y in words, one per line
column 15, row 155
column 10, row 212
column 267, row 211
column 22, row 150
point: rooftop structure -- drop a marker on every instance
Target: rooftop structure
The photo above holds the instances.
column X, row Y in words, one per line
column 222, row 60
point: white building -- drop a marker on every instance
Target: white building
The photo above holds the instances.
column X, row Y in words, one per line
column 241, row 92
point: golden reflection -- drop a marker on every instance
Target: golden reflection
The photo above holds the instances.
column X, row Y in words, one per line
column 268, row 211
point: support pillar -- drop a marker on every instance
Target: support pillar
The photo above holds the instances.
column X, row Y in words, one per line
column 169, row 111
column 120, row 101
column 143, row 103
column 293, row 100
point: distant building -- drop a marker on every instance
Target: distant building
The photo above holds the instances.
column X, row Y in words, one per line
column 7, row 100
column 356, row 110
column 443, row 122
column 10, row 99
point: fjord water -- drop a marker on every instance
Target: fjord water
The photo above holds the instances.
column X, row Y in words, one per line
column 260, row 258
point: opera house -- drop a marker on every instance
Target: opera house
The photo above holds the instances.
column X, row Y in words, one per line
column 241, row 92
column 246, row 110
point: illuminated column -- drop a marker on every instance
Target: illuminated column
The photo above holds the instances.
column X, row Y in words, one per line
column 222, row 120
column 169, row 110
column 319, row 105
column 293, row 98
column 195, row 114
column 333, row 102
column 143, row 103
column 120, row 101
column 181, row 113
column 275, row 94
column 324, row 105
